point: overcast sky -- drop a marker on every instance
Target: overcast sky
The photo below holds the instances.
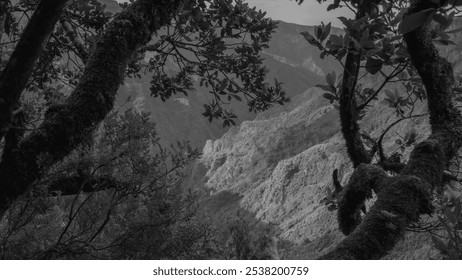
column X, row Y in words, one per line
column 309, row 13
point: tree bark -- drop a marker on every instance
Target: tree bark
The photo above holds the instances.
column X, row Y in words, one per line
column 403, row 198
column 19, row 68
column 67, row 125
column 348, row 106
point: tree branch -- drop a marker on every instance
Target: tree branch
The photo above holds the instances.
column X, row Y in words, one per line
column 74, row 38
column 348, row 106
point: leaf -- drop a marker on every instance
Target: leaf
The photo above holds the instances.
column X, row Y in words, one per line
column 373, row 52
column 331, row 78
column 373, row 65
column 329, row 96
column 398, row 17
column 318, row 31
column 356, row 43
column 346, row 22
column 336, row 40
column 326, row 88
column 334, row 6
column 309, row 38
column 410, row 137
column 416, row 20
column 326, row 32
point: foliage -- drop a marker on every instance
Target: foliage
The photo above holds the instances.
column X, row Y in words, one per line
column 218, row 43
column 383, row 53
column 450, row 219
column 121, row 180
column 60, row 64
column 147, row 197
column 380, row 45
column 251, row 242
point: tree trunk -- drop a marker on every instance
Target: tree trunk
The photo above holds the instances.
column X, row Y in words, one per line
column 403, row 198
column 66, row 126
column 17, row 72
column 348, row 106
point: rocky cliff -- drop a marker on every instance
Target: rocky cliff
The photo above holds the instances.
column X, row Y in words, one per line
column 279, row 168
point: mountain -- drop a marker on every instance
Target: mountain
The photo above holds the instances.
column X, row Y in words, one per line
column 289, row 58
column 280, row 168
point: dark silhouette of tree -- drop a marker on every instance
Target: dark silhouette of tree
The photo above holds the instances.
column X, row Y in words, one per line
column 375, row 42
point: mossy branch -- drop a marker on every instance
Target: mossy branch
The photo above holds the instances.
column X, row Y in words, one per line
column 348, row 106
column 364, row 180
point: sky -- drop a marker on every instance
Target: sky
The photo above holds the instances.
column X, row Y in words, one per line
column 309, row 13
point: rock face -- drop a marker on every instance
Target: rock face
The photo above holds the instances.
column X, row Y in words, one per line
column 281, row 167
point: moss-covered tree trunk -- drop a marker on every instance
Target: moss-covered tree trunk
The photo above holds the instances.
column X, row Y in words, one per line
column 349, row 111
column 18, row 70
column 403, row 198
column 66, row 126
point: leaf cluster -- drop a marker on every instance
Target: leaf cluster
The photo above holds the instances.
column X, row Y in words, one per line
column 215, row 45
